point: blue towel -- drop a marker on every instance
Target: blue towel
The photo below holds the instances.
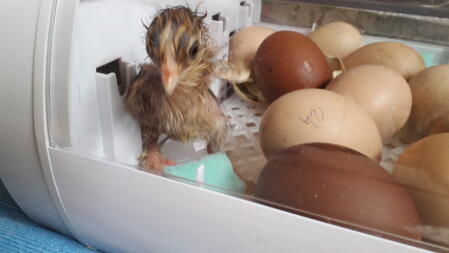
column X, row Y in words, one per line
column 18, row 234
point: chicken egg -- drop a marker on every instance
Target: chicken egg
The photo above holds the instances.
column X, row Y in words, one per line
column 317, row 115
column 423, row 169
column 398, row 56
column 288, row 61
column 244, row 43
column 430, row 91
column 380, row 90
column 329, row 181
column 337, row 38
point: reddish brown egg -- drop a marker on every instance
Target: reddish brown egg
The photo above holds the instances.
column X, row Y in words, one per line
column 288, row 61
column 338, row 185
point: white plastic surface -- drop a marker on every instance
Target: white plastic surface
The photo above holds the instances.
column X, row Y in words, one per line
column 120, row 209
column 59, row 99
column 104, row 31
column 120, row 132
column 246, row 13
column 23, row 58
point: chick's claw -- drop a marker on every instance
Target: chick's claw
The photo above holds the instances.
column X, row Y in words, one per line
column 152, row 160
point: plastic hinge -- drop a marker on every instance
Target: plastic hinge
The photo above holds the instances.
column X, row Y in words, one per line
column 120, row 132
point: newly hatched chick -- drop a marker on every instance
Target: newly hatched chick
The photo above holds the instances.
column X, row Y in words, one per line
column 171, row 96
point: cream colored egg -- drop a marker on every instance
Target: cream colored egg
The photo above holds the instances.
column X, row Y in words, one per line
column 430, row 91
column 244, row 43
column 398, row 56
column 337, row 38
column 423, row 169
column 317, row 115
column 380, row 90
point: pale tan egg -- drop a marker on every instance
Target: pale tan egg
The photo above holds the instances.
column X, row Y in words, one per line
column 423, row 169
column 244, row 43
column 430, row 91
column 337, row 38
column 398, row 56
column 380, row 90
column 317, row 115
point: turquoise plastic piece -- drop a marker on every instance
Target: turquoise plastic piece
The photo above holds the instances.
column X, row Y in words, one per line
column 215, row 170
column 428, row 59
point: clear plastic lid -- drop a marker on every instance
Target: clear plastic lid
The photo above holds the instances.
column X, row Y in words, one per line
column 423, row 21
column 430, row 8
column 397, row 188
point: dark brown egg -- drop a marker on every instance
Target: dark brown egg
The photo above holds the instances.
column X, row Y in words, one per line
column 338, row 185
column 288, row 61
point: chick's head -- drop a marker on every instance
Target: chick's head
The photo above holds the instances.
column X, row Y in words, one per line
column 177, row 42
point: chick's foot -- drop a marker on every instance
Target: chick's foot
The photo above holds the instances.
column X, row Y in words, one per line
column 152, row 160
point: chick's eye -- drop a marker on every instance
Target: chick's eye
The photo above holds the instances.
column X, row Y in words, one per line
column 193, row 50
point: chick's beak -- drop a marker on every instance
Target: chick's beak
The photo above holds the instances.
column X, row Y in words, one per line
column 170, row 71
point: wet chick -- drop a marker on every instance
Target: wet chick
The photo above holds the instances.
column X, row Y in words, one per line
column 171, row 96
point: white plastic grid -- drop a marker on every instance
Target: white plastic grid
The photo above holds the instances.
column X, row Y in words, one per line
column 242, row 145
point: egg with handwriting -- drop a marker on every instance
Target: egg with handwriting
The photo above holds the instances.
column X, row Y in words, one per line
column 317, row 115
